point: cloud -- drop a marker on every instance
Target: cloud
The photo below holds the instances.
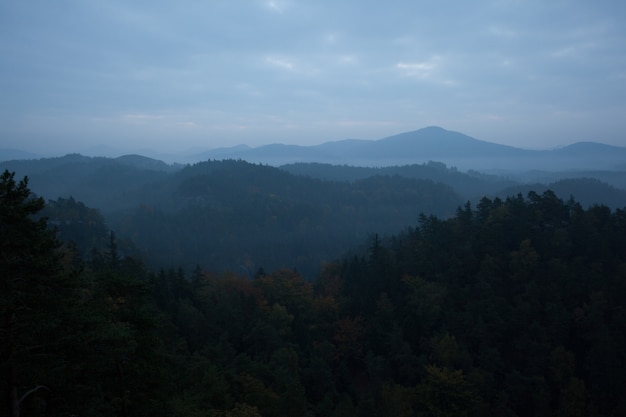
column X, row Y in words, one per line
column 429, row 70
column 571, row 51
column 280, row 62
column 417, row 69
column 277, row 6
column 142, row 117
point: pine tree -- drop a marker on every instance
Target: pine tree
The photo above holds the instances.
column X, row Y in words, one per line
column 34, row 289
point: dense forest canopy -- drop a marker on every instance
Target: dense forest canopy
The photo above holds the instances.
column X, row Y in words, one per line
column 511, row 307
column 233, row 215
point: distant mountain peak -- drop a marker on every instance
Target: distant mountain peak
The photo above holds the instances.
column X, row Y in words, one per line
column 587, row 146
column 433, row 129
column 144, row 162
column 431, row 143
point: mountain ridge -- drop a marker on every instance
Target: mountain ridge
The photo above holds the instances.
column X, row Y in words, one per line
column 431, row 143
column 435, row 144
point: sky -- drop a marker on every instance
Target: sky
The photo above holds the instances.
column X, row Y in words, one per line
column 175, row 76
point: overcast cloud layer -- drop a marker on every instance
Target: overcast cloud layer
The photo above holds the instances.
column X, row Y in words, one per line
column 175, row 75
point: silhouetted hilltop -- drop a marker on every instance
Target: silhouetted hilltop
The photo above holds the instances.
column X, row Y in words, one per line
column 589, row 149
column 142, row 162
column 416, row 147
column 433, row 144
column 468, row 185
column 439, row 144
column 228, row 213
column 105, row 183
column 587, row 191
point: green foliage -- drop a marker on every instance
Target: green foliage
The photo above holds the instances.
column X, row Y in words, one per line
column 513, row 308
column 446, row 393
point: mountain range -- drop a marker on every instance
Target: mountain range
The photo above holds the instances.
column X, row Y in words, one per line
column 433, row 144
column 415, row 147
column 230, row 211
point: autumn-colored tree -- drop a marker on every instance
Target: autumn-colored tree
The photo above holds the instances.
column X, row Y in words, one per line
column 446, row 393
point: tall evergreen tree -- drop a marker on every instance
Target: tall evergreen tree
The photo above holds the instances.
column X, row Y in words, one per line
column 34, row 296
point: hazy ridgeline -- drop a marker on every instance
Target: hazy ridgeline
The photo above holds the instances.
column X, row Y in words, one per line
column 228, row 288
column 238, row 216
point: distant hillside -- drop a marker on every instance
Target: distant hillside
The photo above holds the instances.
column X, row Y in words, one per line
column 142, row 162
column 438, row 144
column 233, row 215
column 586, row 191
column 468, row 185
column 104, row 183
column 599, row 187
column 614, row 178
column 416, row 147
column 433, row 144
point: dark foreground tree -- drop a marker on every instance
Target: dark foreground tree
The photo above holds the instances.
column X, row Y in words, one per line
column 34, row 298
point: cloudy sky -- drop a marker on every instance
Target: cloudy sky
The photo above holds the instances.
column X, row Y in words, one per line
column 138, row 74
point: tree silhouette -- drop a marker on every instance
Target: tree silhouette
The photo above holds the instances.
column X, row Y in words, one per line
column 34, row 295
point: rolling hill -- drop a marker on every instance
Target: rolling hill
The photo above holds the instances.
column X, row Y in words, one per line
column 416, row 147
column 433, row 144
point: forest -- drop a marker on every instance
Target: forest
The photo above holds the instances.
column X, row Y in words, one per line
column 509, row 306
column 232, row 215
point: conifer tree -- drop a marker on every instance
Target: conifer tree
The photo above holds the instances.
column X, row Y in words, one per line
column 33, row 292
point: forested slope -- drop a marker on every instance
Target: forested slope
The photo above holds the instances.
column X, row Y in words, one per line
column 513, row 308
column 232, row 215
column 468, row 184
column 587, row 191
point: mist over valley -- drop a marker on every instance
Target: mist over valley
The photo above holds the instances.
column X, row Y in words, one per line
column 300, row 207
column 246, row 289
